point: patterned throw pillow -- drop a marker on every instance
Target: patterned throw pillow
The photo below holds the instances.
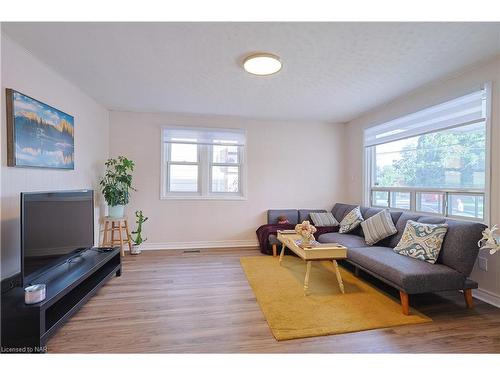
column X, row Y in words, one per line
column 323, row 219
column 351, row 221
column 378, row 227
column 422, row 241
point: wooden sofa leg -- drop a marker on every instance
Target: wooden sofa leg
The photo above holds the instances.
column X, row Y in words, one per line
column 468, row 297
column 405, row 302
column 275, row 251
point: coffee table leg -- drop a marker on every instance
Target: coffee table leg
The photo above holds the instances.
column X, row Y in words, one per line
column 306, row 280
column 282, row 252
column 339, row 277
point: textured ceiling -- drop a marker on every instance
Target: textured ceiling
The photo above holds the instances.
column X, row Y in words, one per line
column 331, row 71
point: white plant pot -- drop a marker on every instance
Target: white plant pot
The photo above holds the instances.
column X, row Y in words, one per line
column 116, row 211
column 136, row 249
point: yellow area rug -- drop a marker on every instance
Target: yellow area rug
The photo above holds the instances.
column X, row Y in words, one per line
column 325, row 311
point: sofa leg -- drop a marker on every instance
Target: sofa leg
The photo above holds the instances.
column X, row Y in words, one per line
column 468, row 297
column 405, row 302
column 275, row 251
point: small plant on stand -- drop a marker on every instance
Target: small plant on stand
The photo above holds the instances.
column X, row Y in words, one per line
column 138, row 240
column 117, row 184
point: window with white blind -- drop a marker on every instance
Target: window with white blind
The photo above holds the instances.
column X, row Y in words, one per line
column 434, row 161
column 203, row 163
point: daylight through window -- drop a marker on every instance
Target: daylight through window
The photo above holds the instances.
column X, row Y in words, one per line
column 432, row 161
column 203, row 163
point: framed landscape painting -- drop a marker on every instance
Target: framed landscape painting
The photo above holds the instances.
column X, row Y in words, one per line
column 38, row 135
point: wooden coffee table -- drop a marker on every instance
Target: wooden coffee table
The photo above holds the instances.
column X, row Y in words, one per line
column 332, row 251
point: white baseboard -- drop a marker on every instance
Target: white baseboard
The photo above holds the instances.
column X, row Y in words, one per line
column 488, row 297
column 199, row 245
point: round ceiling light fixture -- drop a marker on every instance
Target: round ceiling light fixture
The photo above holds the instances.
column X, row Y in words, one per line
column 262, row 64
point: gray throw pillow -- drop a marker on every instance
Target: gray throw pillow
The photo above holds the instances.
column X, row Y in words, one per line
column 378, row 227
column 323, row 219
column 422, row 241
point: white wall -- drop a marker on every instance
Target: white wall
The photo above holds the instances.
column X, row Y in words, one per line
column 434, row 93
column 23, row 72
column 290, row 165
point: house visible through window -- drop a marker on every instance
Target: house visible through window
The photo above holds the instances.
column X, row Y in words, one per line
column 432, row 161
column 203, row 163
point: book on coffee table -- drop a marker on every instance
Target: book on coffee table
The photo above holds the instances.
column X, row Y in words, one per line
column 316, row 245
column 310, row 245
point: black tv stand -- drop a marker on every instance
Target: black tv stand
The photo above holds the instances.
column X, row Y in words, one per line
column 27, row 328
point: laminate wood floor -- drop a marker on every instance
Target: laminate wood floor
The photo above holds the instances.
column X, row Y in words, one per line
column 175, row 302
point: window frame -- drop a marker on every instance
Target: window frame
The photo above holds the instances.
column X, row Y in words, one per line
column 212, row 164
column 168, row 162
column 369, row 176
column 205, row 163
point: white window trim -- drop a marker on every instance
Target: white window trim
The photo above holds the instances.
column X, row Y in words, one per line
column 239, row 165
column 204, row 174
column 368, row 177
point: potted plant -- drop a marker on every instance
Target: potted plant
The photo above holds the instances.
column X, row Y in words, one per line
column 138, row 240
column 116, row 185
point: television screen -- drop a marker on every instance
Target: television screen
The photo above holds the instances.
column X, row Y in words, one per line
column 54, row 226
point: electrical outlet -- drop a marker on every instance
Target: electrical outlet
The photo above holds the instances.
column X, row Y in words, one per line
column 482, row 263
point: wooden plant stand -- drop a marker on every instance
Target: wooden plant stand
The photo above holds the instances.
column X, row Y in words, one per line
column 113, row 233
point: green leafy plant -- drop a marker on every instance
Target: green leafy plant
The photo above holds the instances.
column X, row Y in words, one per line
column 140, row 219
column 117, row 181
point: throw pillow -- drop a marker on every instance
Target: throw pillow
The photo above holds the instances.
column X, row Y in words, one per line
column 422, row 241
column 351, row 221
column 323, row 219
column 378, row 227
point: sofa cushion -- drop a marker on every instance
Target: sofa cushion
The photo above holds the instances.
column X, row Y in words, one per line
column 351, row 220
column 422, row 241
column 412, row 275
column 304, row 214
column 339, row 210
column 323, row 219
column 460, row 250
column 400, row 226
column 348, row 240
column 292, row 216
column 378, row 227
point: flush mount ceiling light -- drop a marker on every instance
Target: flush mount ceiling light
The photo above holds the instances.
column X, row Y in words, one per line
column 262, row 64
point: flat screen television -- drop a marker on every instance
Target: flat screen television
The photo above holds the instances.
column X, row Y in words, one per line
column 54, row 227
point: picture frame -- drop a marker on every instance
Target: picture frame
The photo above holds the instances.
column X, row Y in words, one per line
column 38, row 135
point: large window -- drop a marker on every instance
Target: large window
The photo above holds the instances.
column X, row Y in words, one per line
column 202, row 163
column 433, row 161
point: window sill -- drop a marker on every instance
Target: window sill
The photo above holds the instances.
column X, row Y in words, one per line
column 424, row 213
column 202, row 198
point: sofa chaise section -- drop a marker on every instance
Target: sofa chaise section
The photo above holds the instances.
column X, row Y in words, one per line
column 412, row 276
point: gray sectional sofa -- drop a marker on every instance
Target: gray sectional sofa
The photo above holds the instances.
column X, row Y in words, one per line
column 409, row 275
